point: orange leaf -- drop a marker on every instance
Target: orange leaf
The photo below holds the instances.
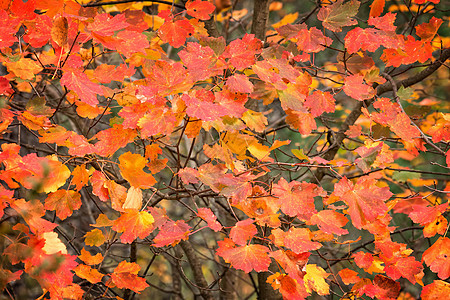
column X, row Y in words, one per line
column 348, row 276
column 437, row 290
column 376, row 8
column 64, row 202
column 86, row 272
column 171, row 233
column 437, row 257
column 243, row 231
column 247, row 258
column 94, row 237
column 133, row 224
column 90, row 259
column 125, row 275
column 131, row 167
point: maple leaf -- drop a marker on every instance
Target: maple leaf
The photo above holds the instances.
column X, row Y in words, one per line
column 174, row 32
column 338, row 15
column 133, row 224
column 241, row 52
column 315, row 279
column 207, row 215
column 376, row 8
column 8, row 26
column 125, row 275
column 297, row 198
column 427, row 31
column 292, row 263
column 385, row 22
column 201, row 61
column 437, row 257
column 52, row 243
column 319, row 102
column 438, row 289
column 131, row 167
column 383, row 288
column 357, row 89
column 112, row 139
column 370, row 39
column 243, row 231
column 94, row 237
column 90, row 259
column 349, row 276
column 366, row 201
column 24, row 68
column 239, row 83
column 289, row 287
column 64, row 202
column 171, row 233
column 200, row 9
column 246, row 258
column 302, row 121
column 105, row 25
column 86, row 272
column 311, row 40
column 299, row 240
column 330, row 221
column 86, row 90
column 200, row 104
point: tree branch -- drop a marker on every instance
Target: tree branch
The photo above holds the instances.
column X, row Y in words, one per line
column 260, row 17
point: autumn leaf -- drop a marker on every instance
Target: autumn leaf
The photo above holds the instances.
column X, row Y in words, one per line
column 125, row 276
column 366, row 201
column 348, row 276
column 207, row 215
column 64, row 202
column 171, row 233
column 247, row 258
column 437, row 258
column 370, row 39
column 86, row 272
column 338, row 15
column 357, row 89
column 376, row 8
column 175, row 32
column 319, row 102
column 94, row 237
column 315, row 279
column 85, row 89
column 241, row 52
column 200, row 9
column 24, row 68
column 330, row 221
column 438, row 289
column 243, row 231
column 90, row 259
column 133, row 224
column 131, row 167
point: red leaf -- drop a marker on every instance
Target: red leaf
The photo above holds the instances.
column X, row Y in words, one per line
column 437, row 257
column 207, row 215
column 200, row 9
column 330, row 221
column 85, row 89
column 365, row 199
column 320, row 102
column 125, row 276
column 349, row 276
column 105, row 25
column 112, row 139
column 239, row 83
column 297, row 198
column 427, row 31
column 376, row 8
column 437, row 290
column 370, row 39
column 133, row 224
column 247, row 258
column 171, row 233
column 243, row 231
column 175, row 32
column 201, row 61
column 64, row 202
column 385, row 23
column 200, row 104
column 356, row 88
column 299, row 240
column 241, row 52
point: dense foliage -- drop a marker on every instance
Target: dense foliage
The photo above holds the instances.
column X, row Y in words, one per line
column 238, row 149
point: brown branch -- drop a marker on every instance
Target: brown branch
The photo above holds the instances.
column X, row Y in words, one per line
column 196, row 267
column 260, row 18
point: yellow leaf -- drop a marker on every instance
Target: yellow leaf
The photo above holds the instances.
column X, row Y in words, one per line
column 53, row 244
column 315, row 280
column 25, row 68
column 134, row 199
